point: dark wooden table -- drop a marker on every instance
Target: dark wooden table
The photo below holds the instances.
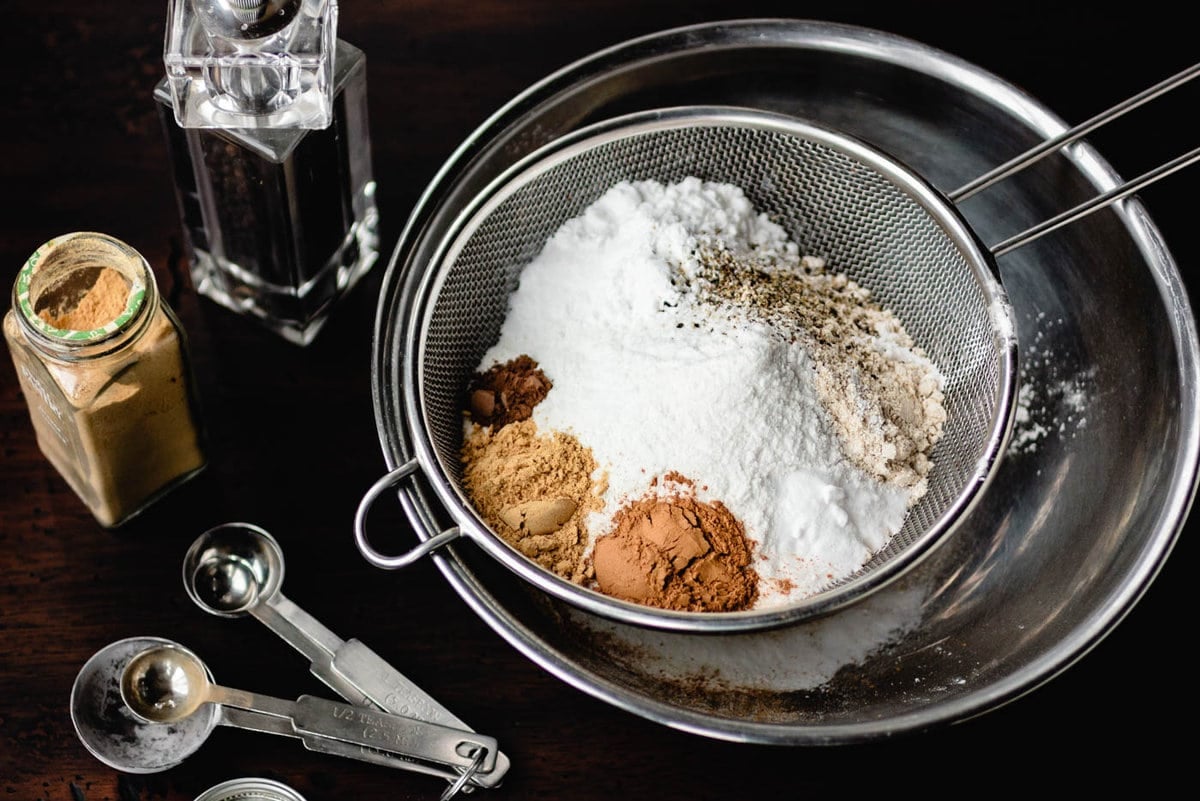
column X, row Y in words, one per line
column 294, row 445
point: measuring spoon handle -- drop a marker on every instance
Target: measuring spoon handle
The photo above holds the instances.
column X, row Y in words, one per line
column 270, row 724
column 298, row 628
column 351, row 669
column 358, row 674
column 386, row 687
column 419, row 739
column 378, row 683
column 406, row 737
column 307, row 635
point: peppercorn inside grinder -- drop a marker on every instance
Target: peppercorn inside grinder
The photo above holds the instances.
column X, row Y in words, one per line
column 265, row 115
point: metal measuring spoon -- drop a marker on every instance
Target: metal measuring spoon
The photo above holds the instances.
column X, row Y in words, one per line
column 169, row 684
column 236, row 569
column 114, row 735
column 117, row 737
column 111, row 732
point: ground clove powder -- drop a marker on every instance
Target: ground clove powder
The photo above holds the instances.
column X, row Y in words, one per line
column 102, row 363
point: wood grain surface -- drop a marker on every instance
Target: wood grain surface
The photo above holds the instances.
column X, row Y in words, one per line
column 294, row 444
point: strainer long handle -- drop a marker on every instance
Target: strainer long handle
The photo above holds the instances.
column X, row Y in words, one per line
column 1039, row 152
column 1098, row 202
column 1079, row 131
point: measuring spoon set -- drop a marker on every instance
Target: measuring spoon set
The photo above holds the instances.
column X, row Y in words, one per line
column 144, row 704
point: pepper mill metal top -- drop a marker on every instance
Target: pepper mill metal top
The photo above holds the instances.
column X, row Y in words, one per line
column 247, row 20
column 250, row 64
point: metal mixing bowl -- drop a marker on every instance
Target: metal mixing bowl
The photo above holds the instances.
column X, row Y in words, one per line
column 1092, row 492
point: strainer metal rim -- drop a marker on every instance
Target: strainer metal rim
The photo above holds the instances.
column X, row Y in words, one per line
column 420, row 302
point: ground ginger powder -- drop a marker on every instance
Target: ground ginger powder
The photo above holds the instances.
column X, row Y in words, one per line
column 99, row 305
column 534, row 490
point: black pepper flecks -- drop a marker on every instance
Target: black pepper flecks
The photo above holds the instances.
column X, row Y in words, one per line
column 888, row 411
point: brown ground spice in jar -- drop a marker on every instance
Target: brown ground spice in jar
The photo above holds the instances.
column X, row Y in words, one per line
column 100, row 304
column 102, row 365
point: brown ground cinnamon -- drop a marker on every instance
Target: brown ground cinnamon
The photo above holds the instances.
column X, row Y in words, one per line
column 677, row 552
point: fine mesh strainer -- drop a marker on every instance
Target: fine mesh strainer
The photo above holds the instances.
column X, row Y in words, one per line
column 866, row 214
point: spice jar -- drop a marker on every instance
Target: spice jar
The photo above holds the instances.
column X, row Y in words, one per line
column 102, row 362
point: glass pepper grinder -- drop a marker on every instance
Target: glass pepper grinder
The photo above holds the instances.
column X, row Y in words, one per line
column 265, row 114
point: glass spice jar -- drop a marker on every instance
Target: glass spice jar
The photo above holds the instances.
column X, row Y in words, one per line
column 102, row 362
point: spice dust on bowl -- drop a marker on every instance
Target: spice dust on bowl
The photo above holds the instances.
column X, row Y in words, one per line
column 718, row 394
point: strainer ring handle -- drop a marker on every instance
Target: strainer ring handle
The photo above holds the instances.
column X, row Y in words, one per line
column 360, row 524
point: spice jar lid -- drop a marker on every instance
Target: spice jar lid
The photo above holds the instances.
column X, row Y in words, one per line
column 250, row 789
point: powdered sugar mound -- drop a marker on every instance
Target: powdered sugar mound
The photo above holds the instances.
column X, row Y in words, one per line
column 655, row 382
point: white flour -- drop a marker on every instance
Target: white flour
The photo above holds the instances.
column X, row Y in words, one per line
column 653, row 381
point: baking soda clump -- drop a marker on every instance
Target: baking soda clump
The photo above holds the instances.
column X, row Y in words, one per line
column 682, row 333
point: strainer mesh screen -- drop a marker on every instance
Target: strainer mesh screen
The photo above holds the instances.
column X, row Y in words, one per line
column 831, row 204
